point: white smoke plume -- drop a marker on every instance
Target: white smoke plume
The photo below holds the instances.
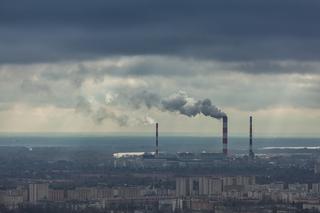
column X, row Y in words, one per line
column 179, row 102
column 148, row 120
column 185, row 105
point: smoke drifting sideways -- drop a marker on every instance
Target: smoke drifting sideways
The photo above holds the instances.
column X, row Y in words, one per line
column 98, row 112
column 178, row 102
column 185, row 105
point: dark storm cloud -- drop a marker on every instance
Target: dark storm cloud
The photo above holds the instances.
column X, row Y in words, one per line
column 232, row 30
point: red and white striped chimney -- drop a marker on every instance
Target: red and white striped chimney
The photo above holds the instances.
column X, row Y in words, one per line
column 251, row 154
column 225, row 134
column 157, row 145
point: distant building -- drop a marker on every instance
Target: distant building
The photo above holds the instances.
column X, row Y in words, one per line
column 196, row 186
column 170, row 205
column 128, row 192
column 38, row 191
column 103, row 193
column 317, row 167
column 278, row 186
column 298, row 187
column 11, row 198
column 239, row 181
column 56, row 195
column 212, row 186
column 315, row 206
column 201, row 205
column 315, row 188
column 82, row 194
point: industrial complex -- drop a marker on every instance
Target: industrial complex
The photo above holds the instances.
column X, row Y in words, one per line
column 162, row 159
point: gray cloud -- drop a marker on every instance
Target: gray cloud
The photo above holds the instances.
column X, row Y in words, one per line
column 245, row 31
column 102, row 113
column 35, row 87
column 144, row 98
column 83, row 106
column 99, row 113
column 55, row 84
column 156, row 66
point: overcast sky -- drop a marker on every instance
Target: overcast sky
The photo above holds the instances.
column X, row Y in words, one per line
column 119, row 66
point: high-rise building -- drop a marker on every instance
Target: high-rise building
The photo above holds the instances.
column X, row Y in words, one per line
column 38, row 191
column 197, row 186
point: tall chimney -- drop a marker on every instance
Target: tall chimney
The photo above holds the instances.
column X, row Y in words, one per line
column 251, row 154
column 157, row 145
column 225, row 134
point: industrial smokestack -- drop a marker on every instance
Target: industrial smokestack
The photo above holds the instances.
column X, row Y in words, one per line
column 225, row 134
column 251, row 154
column 157, row 145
